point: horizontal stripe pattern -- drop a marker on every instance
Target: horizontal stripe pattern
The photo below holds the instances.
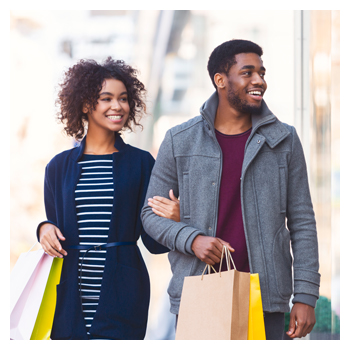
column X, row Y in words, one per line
column 94, row 204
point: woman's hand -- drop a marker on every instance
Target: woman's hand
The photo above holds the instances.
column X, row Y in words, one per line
column 166, row 208
column 49, row 236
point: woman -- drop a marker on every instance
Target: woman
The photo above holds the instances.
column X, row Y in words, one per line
column 93, row 197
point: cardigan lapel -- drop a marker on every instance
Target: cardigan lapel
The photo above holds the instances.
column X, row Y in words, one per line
column 119, row 178
column 71, row 180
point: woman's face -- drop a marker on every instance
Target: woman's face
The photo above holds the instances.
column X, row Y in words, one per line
column 112, row 109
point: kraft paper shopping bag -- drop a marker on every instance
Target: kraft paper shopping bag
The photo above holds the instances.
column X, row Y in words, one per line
column 214, row 306
column 256, row 324
column 28, row 282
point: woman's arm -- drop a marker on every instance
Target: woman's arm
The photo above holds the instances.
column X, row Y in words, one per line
column 48, row 233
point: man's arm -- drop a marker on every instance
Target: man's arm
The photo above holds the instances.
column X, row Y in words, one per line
column 302, row 226
column 175, row 235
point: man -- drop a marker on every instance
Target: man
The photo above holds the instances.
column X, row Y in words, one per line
column 241, row 177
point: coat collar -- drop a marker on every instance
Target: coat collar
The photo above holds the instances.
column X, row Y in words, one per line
column 265, row 123
column 78, row 152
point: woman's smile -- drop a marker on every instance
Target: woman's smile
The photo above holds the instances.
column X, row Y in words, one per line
column 115, row 117
column 112, row 105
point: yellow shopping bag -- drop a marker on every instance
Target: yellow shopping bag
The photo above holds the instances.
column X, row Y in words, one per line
column 44, row 320
column 256, row 324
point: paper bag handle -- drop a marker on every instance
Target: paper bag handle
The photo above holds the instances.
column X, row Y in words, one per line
column 227, row 254
column 208, row 267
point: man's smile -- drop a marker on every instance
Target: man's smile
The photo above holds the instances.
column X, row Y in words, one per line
column 256, row 94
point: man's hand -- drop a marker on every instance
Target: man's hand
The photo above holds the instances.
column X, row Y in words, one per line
column 49, row 236
column 302, row 320
column 167, row 208
column 209, row 249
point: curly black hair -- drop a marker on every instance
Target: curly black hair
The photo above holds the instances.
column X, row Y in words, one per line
column 223, row 57
column 82, row 85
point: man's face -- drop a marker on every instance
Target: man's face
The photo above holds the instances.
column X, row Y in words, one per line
column 246, row 84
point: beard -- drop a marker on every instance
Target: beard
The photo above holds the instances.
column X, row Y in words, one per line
column 241, row 105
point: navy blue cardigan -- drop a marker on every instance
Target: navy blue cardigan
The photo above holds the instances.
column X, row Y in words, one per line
column 125, row 292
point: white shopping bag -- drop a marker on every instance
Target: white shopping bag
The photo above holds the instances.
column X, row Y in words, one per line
column 28, row 282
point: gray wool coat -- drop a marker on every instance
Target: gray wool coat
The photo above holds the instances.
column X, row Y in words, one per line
column 278, row 216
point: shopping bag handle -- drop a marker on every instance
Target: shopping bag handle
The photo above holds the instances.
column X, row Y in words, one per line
column 207, row 266
column 227, row 254
column 32, row 246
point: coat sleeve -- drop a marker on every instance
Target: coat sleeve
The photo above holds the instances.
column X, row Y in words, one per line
column 302, row 225
column 49, row 199
column 152, row 246
column 174, row 235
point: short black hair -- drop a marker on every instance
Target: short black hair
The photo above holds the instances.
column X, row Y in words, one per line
column 224, row 56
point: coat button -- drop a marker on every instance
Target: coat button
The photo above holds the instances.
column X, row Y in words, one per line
column 213, row 183
column 258, row 141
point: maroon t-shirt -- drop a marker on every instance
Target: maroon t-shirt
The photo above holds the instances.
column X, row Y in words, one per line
column 230, row 221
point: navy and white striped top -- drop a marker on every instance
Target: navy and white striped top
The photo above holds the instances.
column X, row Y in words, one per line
column 94, row 202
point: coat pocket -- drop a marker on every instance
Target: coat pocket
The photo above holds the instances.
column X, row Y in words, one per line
column 283, row 189
column 283, row 261
column 185, row 196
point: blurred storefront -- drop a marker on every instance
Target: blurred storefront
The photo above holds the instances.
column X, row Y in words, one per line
column 171, row 49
